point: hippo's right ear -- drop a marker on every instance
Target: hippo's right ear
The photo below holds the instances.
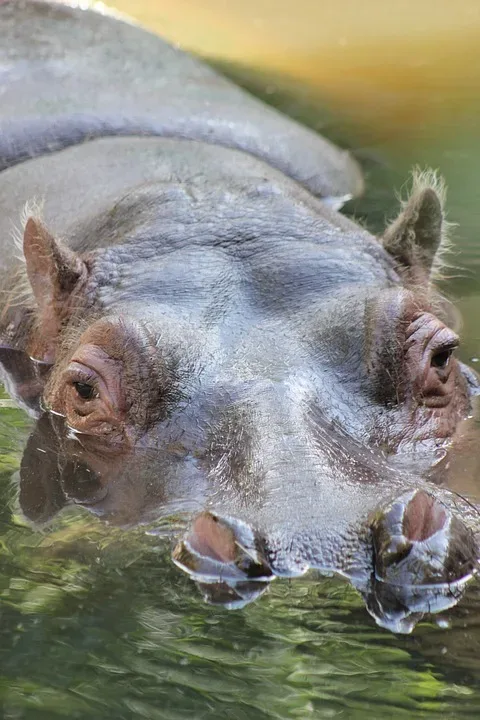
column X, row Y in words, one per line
column 54, row 271
column 419, row 234
column 52, row 268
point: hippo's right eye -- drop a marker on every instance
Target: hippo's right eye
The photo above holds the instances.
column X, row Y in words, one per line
column 88, row 393
column 85, row 390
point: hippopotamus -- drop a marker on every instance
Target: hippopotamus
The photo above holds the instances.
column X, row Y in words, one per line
column 179, row 286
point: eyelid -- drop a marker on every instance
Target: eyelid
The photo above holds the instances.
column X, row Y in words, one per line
column 444, row 340
column 77, row 372
column 428, row 331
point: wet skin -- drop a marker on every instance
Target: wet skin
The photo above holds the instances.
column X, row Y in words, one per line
column 195, row 299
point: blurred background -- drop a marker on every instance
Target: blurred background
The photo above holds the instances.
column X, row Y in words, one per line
column 396, row 82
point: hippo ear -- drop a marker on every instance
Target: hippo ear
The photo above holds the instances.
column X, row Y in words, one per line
column 418, row 235
column 52, row 268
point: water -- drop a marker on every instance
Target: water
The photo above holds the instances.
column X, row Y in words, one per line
column 96, row 622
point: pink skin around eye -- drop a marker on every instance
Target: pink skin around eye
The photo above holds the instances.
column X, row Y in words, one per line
column 430, row 333
column 104, row 414
column 90, row 361
column 426, row 336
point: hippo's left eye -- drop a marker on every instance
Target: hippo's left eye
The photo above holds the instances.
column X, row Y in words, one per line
column 429, row 351
column 441, row 355
column 441, row 358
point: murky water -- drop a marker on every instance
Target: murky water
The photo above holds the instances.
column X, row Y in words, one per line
column 97, row 622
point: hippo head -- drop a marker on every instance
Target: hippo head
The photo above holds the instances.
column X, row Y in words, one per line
column 199, row 321
column 295, row 374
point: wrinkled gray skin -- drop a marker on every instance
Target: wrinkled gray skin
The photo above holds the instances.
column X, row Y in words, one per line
column 273, row 386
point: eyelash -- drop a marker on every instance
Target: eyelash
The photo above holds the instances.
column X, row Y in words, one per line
column 81, row 377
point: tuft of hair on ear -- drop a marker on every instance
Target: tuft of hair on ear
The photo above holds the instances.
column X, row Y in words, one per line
column 431, row 179
column 420, row 237
column 32, row 208
column 21, row 293
column 428, row 179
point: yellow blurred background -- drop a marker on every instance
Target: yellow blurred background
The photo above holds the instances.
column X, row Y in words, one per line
column 386, row 61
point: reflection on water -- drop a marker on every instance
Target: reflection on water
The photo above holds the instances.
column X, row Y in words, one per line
column 408, row 549
column 96, row 621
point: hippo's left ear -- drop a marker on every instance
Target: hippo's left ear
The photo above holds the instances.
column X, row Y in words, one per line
column 418, row 235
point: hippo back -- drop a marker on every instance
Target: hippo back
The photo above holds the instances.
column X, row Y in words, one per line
column 68, row 75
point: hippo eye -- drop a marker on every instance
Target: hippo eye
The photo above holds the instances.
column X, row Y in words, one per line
column 441, row 359
column 84, row 390
column 429, row 348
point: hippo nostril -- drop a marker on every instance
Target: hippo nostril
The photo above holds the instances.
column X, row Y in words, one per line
column 211, row 538
column 423, row 517
column 417, row 541
column 221, row 549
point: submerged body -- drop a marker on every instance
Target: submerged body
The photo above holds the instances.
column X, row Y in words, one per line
column 192, row 294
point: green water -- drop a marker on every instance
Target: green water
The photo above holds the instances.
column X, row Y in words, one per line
column 97, row 622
